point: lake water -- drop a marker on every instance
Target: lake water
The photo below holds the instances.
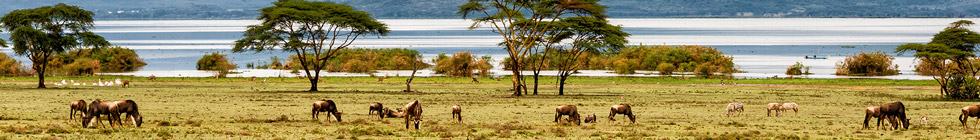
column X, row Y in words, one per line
column 763, row 47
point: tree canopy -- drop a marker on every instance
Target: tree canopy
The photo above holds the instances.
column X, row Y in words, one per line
column 44, row 31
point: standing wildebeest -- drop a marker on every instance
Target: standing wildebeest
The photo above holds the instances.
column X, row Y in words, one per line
column 772, row 107
column 328, row 106
column 413, row 113
column 130, row 108
column 457, row 113
column 77, row 106
column 95, row 111
column 376, row 107
column 590, row 118
column 874, row 112
column 569, row 110
column 734, row 107
column 788, row 106
column 969, row 111
column 896, row 109
column 622, row 109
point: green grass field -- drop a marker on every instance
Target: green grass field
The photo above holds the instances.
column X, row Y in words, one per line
column 206, row 108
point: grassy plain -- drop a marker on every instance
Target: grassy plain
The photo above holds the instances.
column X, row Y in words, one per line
column 275, row 108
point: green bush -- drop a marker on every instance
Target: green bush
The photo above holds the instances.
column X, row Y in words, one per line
column 666, row 68
column 961, row 87
column 216, row 62
column 462, row 64
column 111, row 59
column 361, row 60
column 798, row 69
column 868, row 64
column 11, row 67
column 684, row 58
column 82, row 67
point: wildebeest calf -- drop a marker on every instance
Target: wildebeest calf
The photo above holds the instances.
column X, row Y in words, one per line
column 328, row 106
column 77, row 106
column 621, row 109
column 457, row 113
column 590, row 118
column 569, row 110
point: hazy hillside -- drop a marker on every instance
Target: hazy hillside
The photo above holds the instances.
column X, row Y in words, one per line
column 246, row 9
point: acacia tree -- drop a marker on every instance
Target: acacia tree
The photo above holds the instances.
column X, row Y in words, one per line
column 501, row 15
column 948, row 54
column 587, row 35
column 314, row 30
column 42, row 32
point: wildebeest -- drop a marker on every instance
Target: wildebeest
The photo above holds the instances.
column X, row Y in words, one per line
column 969, row 111
column 151, row 78
column 590, row 118
column 621, row 109
column 376, row 107
column 457, row 113
column 130, row 108
column 392, row 113
column 569, row 110
column 772, row 107
column 328, row 106
column 788, row 106
column 896, row 109
column 874, row 112
column 125, row 83
column 79, row 106
column 413, row 113
column 95, row 111
column 734, row 107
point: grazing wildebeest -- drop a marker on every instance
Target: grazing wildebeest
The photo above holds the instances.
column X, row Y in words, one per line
column 734, row 107
column 328, row 106
column 621, row 109
column 376, row 107
column 590, row 118
column 969, row 111
column 95, row 111
column 413, row 113
column 151, row 78
column 788, row 106
column 772, row 107
column 130, row 108
column 125, row 83
column 77, row 106
column 476, row 81
column 896, row 109
column 874, row 112
column 569, row 110
column 457, row 113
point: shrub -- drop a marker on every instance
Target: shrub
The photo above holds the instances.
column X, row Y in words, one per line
column 216, row 62
column 11, row 67
column 961, row 87
column 798, row 69
column 362, row 60
column 80, row 67
column 666, row 68
column 868, row 64
column 462, row 64
column 111, row 59
column 683, row 58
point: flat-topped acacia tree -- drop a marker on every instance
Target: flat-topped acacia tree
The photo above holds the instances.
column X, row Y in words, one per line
column 42, row 32
column 501, row 15
column 314, row 30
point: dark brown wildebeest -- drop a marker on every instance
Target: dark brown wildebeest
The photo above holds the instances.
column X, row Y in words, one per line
column 413, row 113
column 476, row 81
column 873, row 112
column 328, row 106
column 125, row 83
column 95, row 111
column 151, row 78
column 78, row 106
column 969, row 111
column 130, row 108
column 590, row 118
column 251, row 79
column 569, row 110
column 772, row 107
column 621, row 109
column 789, row 106
column 376, row 107
column 457, row 113
column 896, row 109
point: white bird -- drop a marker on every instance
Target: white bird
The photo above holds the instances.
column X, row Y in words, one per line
column 100, row 82
column 84, row 84
column 118, row 81
column 75, row 84
column 63, row 82
column 72, row 81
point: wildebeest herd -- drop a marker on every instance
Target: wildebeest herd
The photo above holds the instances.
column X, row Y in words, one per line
column 894, row 113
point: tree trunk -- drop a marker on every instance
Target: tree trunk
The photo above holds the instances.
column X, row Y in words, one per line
column 536, row 83
column 313, row 84
column 517, row 81
column 561, row 85
column 40, row 73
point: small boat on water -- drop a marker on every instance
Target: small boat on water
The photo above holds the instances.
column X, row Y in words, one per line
column 815, row 57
